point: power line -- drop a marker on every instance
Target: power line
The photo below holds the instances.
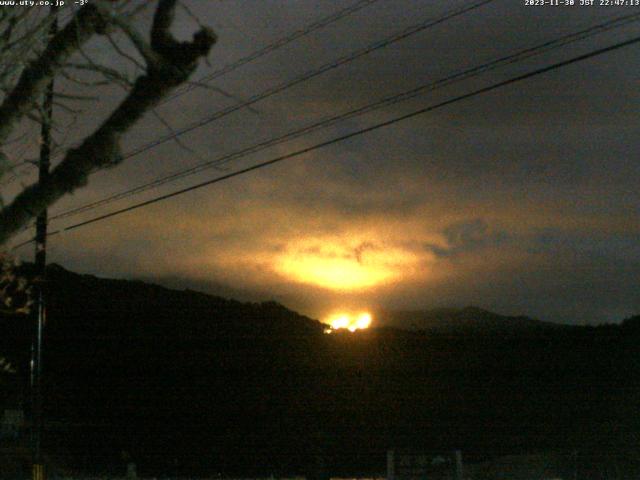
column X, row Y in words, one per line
column 281, row 42
column 354, row 134
column 401, row 35
column 311, row 74
column 446, row 81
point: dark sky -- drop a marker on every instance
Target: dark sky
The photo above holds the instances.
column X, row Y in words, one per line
column 523, row 200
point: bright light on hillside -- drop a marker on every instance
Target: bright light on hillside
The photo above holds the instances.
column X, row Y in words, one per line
column 349, row 322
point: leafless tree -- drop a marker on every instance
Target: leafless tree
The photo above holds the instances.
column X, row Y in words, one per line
column 30, row 57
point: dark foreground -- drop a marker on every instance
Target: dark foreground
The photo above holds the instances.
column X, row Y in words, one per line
column 184, row 384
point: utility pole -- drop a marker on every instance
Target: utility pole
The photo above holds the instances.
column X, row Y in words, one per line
column 37, row 417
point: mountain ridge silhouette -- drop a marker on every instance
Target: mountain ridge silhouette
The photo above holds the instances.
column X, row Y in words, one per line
column 191, row 384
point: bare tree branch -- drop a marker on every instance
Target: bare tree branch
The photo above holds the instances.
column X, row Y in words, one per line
column 32, row 82
column 138, row 41
column 110, row 75
column 176, row 138
column 173, row 63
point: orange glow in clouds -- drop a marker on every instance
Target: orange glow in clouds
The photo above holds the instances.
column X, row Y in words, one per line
column 343, row 265
column 349, row 322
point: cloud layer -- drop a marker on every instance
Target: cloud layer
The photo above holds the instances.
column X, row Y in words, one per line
column 524, row 200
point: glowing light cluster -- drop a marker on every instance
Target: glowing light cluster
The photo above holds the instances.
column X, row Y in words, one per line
column 349, row 322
